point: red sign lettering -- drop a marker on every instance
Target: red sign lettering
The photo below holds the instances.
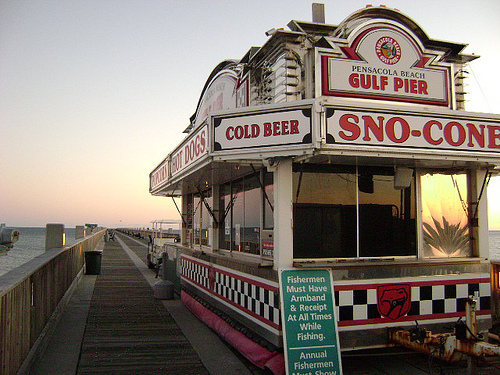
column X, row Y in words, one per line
column 428, row 135
column 415, row 131
column 269, row 129
column 494, row 136
column 368, row 81
column 391, row 127
column 350, row 123
column 192, row 150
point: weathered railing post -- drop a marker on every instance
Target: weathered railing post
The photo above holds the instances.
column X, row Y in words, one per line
column 79, row 232
column 55, row 236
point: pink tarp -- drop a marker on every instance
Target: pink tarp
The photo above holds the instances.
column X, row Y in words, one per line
column 255, row 353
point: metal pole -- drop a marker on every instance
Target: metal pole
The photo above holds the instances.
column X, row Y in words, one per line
column 471, row 332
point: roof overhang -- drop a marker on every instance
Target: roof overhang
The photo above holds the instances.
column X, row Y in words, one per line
column 327, row 131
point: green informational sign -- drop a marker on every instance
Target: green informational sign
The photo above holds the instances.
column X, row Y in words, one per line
column 309, row 323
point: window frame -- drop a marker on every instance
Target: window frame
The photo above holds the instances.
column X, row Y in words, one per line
column 245, row 181
column 412, row 223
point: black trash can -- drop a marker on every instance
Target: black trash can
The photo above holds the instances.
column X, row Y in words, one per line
column 93, row 262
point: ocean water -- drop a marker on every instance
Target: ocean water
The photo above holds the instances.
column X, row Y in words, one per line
column 31, row 244
column 495, row 244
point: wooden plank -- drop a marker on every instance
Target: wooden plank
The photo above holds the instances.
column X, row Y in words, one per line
column 128, row 331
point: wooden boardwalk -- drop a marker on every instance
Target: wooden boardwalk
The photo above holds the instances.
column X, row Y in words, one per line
column 128, row 331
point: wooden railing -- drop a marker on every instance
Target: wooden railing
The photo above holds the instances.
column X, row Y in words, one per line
column 30, row 294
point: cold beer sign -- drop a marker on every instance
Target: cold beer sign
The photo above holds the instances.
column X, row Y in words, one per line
column 309, row 323
column 263, row 129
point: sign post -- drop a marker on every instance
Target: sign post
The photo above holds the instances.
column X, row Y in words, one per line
column 309, row 323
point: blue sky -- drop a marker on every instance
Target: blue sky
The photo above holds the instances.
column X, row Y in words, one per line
column 95, row 93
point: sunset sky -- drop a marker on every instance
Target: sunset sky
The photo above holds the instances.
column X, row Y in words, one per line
column 95, row 93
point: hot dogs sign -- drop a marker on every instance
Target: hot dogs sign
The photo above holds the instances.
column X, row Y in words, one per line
column 382, row 61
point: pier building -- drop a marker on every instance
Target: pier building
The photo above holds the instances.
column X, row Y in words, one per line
column 342, row 147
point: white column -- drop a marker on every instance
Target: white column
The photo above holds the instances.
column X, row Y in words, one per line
column 481, row 235
column 184, row 207
column 283, row 215
column 216, row 210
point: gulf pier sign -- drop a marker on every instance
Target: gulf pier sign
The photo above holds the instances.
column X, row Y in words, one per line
column 309, row 323
column 441, row 132
column 383, row 61
column 263, row 129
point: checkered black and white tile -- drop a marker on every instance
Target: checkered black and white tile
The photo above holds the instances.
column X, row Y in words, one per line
column 196, row 271
column 437, row 299
column 253, row 296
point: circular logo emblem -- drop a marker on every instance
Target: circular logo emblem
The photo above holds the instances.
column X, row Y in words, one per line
column 388, row 50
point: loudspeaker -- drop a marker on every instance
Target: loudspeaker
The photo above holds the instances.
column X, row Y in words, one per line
column 402, row 177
